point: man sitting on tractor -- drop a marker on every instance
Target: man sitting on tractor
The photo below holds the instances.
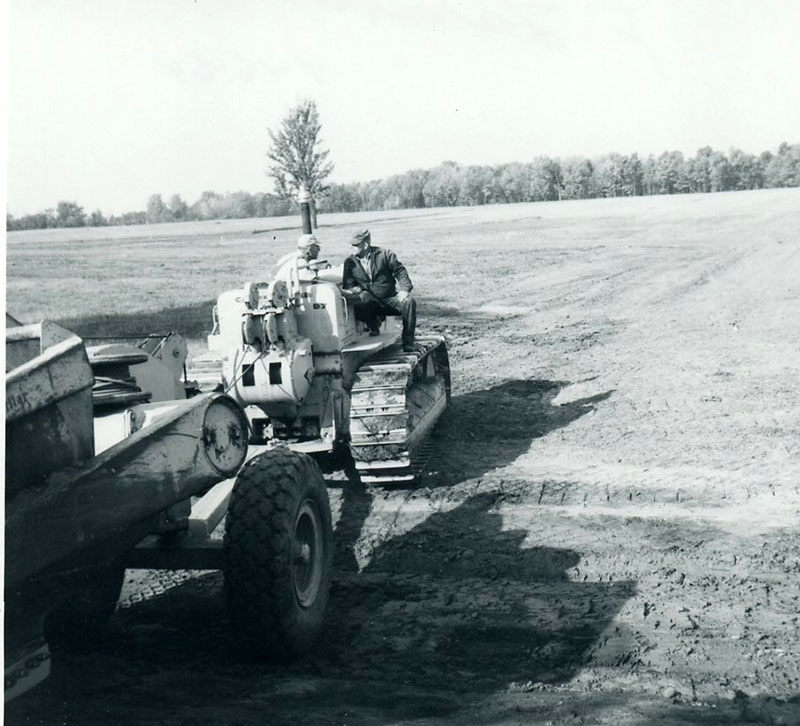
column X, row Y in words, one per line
column 303, row 260
column 380, row 285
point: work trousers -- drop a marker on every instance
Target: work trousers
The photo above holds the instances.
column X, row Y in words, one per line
column 372, row 312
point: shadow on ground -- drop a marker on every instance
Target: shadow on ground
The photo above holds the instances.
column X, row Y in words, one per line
column 190, row 321
column 502, row 422
column 460, row 601
column 479, row 432
column 457, row 620
column 443, row 617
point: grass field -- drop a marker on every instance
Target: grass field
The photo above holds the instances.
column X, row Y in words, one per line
column 153, row 278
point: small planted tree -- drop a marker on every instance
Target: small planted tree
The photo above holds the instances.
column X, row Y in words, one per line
column 298, row 159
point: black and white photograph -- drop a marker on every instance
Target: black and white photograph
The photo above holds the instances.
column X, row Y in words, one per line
column 427, row 363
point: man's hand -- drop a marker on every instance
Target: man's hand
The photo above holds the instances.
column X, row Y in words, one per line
column 402, row 295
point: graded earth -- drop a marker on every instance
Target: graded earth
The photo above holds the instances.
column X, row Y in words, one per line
column 607, row 530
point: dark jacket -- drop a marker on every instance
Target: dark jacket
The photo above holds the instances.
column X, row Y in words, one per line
column 388, row 274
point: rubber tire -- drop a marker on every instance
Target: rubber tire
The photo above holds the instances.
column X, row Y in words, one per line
column 278, row 502
column 77, row 621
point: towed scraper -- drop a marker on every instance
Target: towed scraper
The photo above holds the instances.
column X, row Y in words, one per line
column 101, row 477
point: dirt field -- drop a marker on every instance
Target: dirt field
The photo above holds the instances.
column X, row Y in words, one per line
column 608, row 530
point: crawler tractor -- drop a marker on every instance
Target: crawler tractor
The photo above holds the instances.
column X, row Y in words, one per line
column 309, row 374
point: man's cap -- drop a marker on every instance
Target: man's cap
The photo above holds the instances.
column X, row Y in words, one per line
column 359, row 237
column 305, row 241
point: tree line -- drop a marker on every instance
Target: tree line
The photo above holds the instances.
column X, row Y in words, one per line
column 547, row 179
column 210, row 205
column 450, row 184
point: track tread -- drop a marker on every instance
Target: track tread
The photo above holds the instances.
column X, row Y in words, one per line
column 385, row 416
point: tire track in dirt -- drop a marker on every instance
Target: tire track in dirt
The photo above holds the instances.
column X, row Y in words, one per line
column 633, row 450
column 675, row 402
column 683, row 605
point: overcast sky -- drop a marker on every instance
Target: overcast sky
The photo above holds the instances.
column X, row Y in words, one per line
column 114, row 100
